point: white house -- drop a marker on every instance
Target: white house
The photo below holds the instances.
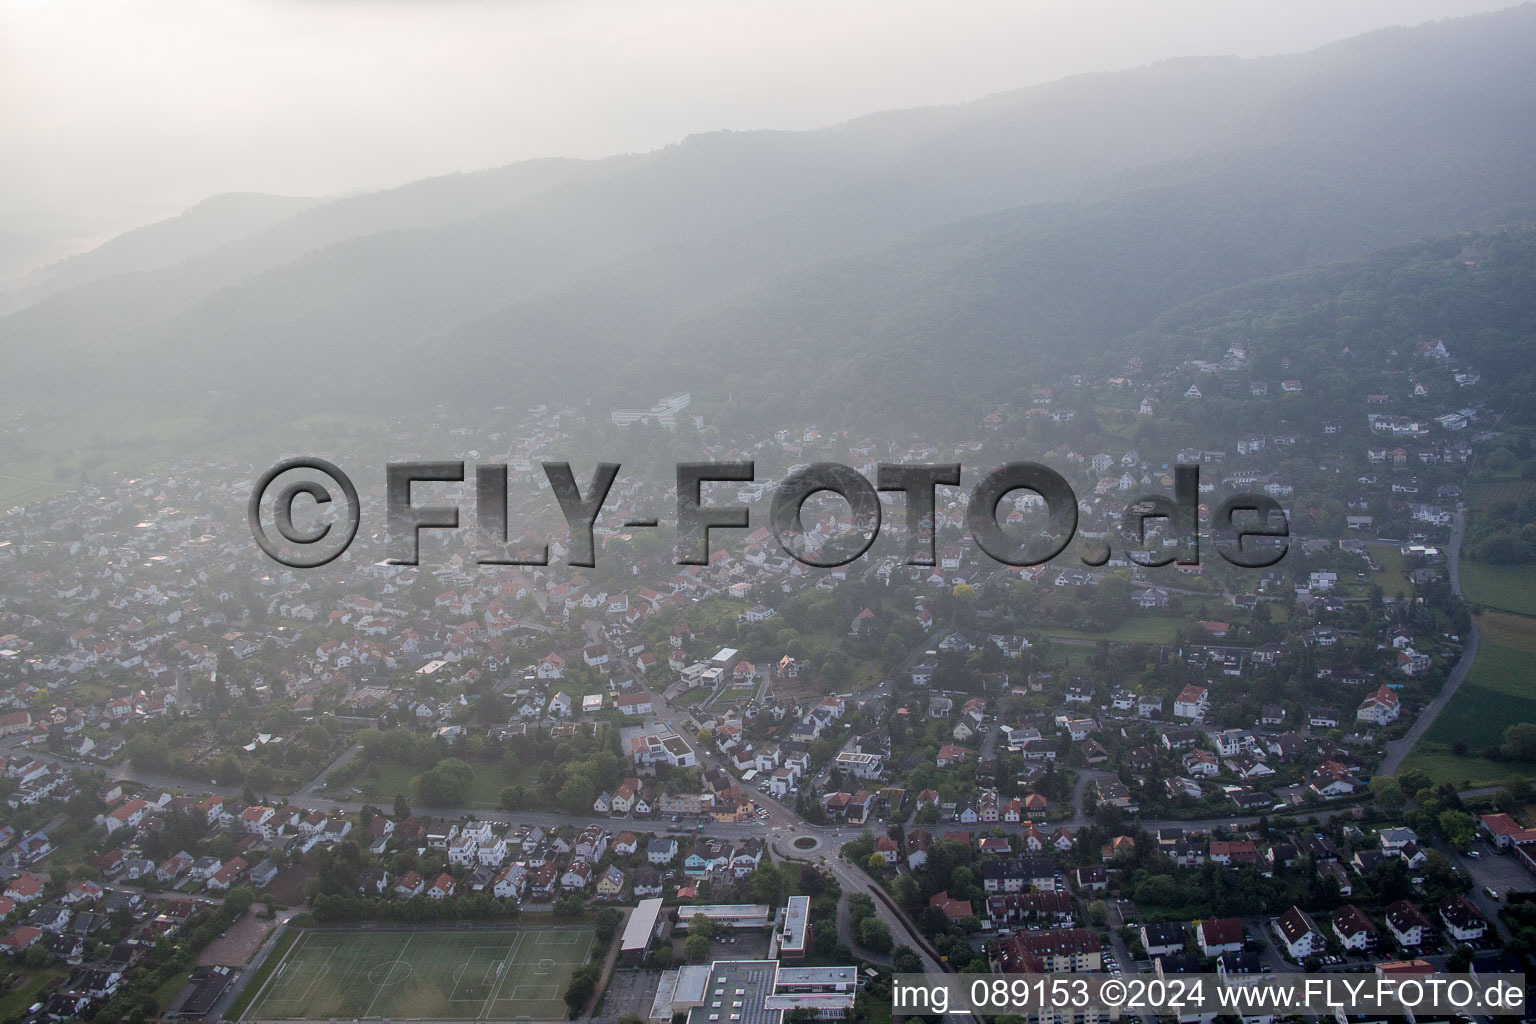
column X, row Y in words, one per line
column 1297, row 934
column 1379, row 708
column 1408, row 924
column 1192, row 702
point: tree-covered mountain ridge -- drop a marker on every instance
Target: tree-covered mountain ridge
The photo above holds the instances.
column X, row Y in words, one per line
column 905, row 267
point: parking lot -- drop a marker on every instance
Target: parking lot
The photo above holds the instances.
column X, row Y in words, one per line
column 629, row 992
column 1501, row 872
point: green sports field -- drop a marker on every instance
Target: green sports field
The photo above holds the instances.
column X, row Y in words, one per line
column 456, row 975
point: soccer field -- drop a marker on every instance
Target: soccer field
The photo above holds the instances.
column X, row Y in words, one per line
column 425, row 975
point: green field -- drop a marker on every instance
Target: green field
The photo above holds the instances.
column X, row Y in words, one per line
column 1506, row 630
column 1393, row 576
column 131, row 437
column 1511, row 588
column 484, row 791
column 32, row 980
column 1498, row 692
column 502, row 974
column 1489, row 492
column 1439, row 764
column 1146, row 630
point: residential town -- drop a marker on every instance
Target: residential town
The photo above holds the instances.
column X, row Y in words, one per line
column 962, row 765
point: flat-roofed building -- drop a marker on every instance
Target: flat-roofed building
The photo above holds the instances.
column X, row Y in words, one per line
column 203, row 989
column 734, row 915
column 826, row 992
column 643, row 925
column 759, row 992
column 679, row 991
column 795, row 939
column 863, row 766
column 737, row 993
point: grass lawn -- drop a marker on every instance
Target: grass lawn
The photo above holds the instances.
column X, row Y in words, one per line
column 1499, row 691
column 95, row 440
column 877, row 1011
column 1437, row 762
column 733, row 694
column 1510, row 588
column 484, row 791
column 1156, row 913
column 166, row 992
column 14, row 1002
column 1131, row 631
column 130, row 437
column 1393, row 575
column 496, row 974
column 1506, row 630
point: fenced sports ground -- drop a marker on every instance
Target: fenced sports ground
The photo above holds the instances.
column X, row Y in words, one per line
column 459, row 975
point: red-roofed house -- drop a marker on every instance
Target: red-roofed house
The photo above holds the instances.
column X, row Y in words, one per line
column 1192, row 702
column 950, row 754
column 19, row 938
column 953, row 909
column 24, row 888
column 1218, row 935
column 1379, row 708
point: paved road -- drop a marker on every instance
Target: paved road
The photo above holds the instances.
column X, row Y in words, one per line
column 244, row 975
column 1397, row 750
column 313, row 787
column 782, row 817
column 1079, row 788
column 854, row 880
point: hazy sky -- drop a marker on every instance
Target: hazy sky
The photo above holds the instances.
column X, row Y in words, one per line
column 116, row 112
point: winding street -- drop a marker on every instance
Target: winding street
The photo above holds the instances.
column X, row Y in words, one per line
column 1399, row 749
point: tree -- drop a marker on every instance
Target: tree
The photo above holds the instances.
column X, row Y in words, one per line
column 824, row 942
column 904, row 960
column 239, row 899
column 1459, row 828
column 447, row 784
column 1389, row 795
column 607, row 922
column 696, row 949
column 583, row 984
column 402, row 807
column 767, row 885
column 875, row 934
column 906, row 893
column 1519, row 742
column 260, row 776
column 147, row 750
